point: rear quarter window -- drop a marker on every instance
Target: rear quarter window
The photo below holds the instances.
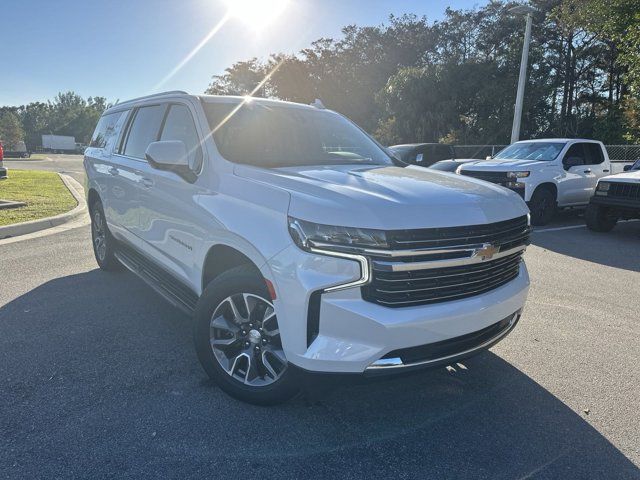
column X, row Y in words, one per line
column 107, row 130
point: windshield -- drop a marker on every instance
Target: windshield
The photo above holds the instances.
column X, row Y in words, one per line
column 636, row 166
column 542, row 151
column 279, row 136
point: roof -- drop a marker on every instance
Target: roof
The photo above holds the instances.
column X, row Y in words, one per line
column 256, row 100
column 565, row 140
column 413, row 145
column 210, row 99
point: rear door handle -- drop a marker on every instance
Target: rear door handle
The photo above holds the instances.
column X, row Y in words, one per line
column 605, row 171
column 113, row 171
column 147, row 182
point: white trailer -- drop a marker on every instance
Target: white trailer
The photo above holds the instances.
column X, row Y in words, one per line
column 58, row 143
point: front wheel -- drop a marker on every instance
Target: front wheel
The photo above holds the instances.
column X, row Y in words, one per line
column 599, row 218
column 542, row 206
column 237, row 339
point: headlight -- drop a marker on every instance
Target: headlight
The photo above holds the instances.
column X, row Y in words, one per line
column 603, row 186
column 518, row 174
column 308, row 235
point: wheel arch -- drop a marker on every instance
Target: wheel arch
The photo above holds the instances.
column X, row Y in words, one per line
column 552, row 187
column 222, row 257
column 92, row 196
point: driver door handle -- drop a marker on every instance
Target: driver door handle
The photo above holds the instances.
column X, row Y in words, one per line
column 147, row 182
column 588, row 170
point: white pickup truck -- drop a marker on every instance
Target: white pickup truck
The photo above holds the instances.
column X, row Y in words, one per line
column 548, row 174
column 617, row 197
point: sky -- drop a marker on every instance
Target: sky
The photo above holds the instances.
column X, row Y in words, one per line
column 120, row 49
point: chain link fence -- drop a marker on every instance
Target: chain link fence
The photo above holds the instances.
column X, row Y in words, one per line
column 617, row 153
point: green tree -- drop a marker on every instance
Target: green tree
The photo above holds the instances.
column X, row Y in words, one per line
column 410, row 80
column 11, row 131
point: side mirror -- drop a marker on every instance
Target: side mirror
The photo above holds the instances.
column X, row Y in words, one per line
column 627, row 168
column 572, row 162
column 489, row 157
column 170, row 155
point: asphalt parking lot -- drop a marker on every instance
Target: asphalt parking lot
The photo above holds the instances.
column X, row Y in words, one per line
column 98, row 379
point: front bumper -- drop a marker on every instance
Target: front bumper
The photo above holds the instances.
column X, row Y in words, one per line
column 354, row 335
column 615, row 202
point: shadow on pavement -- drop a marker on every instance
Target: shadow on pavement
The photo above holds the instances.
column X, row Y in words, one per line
column 99, row 378
column 618, row 248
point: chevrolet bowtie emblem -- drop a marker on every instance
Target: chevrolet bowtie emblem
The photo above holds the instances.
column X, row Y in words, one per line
column 487, row 251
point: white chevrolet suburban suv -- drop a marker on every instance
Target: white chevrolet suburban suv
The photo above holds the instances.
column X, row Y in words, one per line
column 296, row 242
column 548, row 173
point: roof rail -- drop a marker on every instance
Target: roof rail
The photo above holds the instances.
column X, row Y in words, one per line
column 154, row 95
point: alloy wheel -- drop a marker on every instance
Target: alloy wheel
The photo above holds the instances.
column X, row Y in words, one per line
column 99, row 235
column 245, row 339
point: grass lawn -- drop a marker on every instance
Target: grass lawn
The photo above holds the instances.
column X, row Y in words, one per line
column 43, row 192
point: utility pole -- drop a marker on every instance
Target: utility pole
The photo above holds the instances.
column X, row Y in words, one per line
column 522, row 79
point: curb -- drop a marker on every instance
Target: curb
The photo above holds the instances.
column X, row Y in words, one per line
column 32, row 226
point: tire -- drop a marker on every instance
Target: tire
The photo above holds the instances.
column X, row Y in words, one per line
column 542, row 206
column 104, row 245
column 599, row 219
column 240, row 352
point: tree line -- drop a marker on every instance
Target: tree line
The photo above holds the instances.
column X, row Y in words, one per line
column 455, row 80
column 68, row 114
column 452, row 80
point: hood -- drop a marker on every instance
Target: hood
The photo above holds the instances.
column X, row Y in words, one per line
column 388, row 198
column 499, row 165
column 626, row 177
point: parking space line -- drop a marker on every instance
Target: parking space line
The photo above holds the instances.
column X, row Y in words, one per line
column 556, row 229
column 571, row 227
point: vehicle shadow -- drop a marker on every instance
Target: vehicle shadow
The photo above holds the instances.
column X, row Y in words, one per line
column 618, row 248
column 98, row 378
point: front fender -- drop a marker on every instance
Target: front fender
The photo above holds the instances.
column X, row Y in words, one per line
column 248, row 216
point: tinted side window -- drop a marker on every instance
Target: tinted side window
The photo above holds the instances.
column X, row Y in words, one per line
column 575, row 150
column 144, row 130
column 594, row 154
column 443, row 152
column 179, row 126
column 107, row 129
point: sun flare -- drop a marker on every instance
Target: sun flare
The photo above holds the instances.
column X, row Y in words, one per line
column 257, row 14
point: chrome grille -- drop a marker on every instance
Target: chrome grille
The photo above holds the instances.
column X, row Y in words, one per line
column 493, row 177
column 447, row 264
column 624, row 190
column 503, row 233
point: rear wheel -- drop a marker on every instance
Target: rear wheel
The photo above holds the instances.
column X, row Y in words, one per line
column 237, row 339
column 104, row 245
column 599, row 218
column 542, row 206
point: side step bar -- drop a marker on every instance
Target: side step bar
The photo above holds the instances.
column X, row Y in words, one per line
column 163, row 282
